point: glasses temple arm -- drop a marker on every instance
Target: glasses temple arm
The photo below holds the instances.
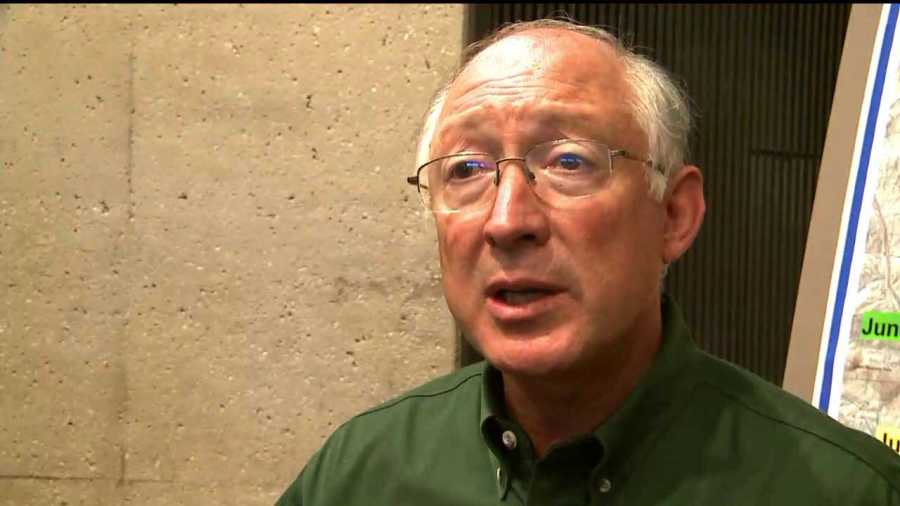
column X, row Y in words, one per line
column 626, row 154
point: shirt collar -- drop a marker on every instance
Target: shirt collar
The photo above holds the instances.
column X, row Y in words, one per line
column 632, row 430
column 660, row 395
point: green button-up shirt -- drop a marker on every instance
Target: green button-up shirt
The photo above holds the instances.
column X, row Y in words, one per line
column 696, row 431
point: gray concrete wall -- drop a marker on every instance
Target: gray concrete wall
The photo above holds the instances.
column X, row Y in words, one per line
column 208, row 256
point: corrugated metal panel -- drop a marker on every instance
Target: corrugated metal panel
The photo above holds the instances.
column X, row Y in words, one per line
column 761, row 78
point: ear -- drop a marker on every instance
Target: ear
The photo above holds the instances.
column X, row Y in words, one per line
column 684, row 208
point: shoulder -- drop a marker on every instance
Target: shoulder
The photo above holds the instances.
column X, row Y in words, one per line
column 779, row 416
column 379, row 443
column 460, row 383
column 422, row 406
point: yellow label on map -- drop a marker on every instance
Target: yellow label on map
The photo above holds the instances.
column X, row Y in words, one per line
column 889, row 436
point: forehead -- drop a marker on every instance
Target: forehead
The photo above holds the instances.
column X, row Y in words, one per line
column 545, row 50
column 547, row 78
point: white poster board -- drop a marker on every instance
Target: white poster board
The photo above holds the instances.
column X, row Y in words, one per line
column 858, row 374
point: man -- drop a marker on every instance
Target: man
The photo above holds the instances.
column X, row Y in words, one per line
column 556, row 178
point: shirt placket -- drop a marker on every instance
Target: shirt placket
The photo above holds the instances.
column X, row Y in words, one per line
column 565, row 476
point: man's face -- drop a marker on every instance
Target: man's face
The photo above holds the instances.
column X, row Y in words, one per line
column 544, row 290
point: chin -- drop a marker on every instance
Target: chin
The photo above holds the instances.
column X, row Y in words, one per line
column 533, row 356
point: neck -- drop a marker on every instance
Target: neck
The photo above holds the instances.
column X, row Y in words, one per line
column 568, row 404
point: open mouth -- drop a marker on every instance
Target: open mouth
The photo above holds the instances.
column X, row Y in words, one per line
column 514, row 304
column 521, row 297
column 520, row 300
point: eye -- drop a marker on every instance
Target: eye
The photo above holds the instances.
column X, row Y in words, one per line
column 570, row 162
column 459, row 170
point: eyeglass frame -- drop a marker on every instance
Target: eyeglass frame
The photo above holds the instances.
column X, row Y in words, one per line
column 613, row 153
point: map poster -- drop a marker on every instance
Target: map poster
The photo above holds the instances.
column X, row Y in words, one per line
column 858, row 373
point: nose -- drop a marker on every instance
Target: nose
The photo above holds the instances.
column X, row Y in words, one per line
column 517, row 218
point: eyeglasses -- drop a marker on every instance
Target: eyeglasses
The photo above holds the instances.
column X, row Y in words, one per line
column 559, row 171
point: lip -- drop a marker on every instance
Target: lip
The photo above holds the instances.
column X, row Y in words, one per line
column 514, row 313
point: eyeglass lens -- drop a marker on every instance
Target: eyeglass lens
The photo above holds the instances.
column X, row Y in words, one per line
column 562, row 170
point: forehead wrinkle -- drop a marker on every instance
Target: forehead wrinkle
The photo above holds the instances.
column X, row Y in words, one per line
column 501, row 89
column 537, row 83
column 548, row 116
column 498, row 102
column 529, row 116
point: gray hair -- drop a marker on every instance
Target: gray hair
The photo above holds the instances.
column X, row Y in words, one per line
column 659, row 105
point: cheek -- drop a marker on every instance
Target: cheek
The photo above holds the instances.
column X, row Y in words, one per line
column 591, row 234
column 614, row 249
column 459, row 242
column 459, row 249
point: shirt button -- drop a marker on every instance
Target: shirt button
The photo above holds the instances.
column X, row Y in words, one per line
column 604, row 485
column 509, row 440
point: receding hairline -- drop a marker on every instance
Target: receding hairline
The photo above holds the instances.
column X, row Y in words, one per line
column 563, row 26
column 609, row 50
column 601, row 38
